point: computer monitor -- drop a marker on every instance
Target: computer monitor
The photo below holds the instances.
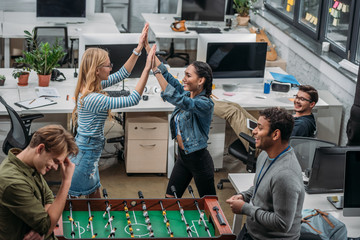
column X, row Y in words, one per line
column 63, row 11
column 327, row 172
column 351, row 188
column 118, row 45
column 234, row 58
column 203, row 10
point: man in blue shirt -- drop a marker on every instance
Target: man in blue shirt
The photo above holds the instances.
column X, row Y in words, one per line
column 304, row 125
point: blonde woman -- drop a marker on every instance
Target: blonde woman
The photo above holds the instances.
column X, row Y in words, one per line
column 92, row 109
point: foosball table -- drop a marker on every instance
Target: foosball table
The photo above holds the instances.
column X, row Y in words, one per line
column 169, row 218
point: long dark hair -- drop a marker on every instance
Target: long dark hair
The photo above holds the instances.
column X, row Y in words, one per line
column 204, row 70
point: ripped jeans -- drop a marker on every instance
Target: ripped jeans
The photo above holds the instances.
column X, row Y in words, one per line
column 86, row 177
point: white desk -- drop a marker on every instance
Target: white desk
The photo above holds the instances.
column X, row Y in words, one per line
column 328, row 110
column 14, row 24
column 160, row 25
column 243, row 181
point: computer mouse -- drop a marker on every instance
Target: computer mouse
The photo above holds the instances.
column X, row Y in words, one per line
column 187, row 32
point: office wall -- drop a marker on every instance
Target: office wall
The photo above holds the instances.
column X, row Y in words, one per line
column 308, row 68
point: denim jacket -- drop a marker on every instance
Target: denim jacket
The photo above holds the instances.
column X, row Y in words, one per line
column 195, row 113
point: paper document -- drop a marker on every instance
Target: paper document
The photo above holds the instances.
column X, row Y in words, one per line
column 35, row 103
column 47, row 92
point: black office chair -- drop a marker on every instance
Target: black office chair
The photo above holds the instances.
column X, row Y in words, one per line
column 19, row 135
column 172, row 54
column 247, row 156
column 51, row 35
column 304, row 148
column 120, row 152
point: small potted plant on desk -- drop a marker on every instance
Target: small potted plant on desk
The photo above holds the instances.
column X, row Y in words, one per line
column 22, row 74
column 42, row 57
column 2, row 80
column 242, row 8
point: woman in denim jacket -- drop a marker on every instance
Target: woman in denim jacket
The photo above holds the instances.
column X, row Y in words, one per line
column 189, row 124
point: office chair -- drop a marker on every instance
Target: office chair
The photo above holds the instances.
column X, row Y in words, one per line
column 19, row 135
column 247, row 156
column 121, row 139
column 53, row 33
column 172, row 54
column 304, row 148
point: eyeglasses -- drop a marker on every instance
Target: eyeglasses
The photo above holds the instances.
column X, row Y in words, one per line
column 302, row 99
column 109, row 66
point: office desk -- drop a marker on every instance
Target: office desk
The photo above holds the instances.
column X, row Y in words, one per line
column 67, row 87
column 243, row 181
column 14, row 24
column 160, row 25
column 327, row 111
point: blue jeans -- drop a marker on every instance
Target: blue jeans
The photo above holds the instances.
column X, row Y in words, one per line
column 86, row 177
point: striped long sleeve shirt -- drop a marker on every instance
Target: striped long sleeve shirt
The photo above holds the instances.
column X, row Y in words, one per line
column 93, row 109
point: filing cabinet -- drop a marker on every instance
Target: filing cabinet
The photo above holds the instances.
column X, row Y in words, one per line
column 146, row 142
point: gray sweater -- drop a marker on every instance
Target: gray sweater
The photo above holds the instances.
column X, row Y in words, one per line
column 275, row 210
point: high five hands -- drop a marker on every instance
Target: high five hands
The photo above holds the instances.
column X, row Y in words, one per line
column 150, row 61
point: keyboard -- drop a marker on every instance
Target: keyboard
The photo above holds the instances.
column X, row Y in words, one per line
column 118, row 93
column 204, row 29
column 321, row 190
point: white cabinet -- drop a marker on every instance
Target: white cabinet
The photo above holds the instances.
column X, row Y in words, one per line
column 146, row 142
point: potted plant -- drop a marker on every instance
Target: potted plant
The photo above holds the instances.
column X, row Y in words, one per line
column 2, row 80
column 242, row 8
column 22, row 74
column 42, row 57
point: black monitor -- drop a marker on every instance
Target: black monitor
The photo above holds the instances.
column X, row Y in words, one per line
column 203, row 10
column 237, row 60
column 120, row 53
column 61, row 11
column 352, row 180
column 327, row 172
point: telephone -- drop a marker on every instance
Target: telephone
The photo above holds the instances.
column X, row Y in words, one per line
column 58, row 76
column 178, row 26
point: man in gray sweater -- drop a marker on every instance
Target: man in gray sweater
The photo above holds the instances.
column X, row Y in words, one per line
column 273, row 204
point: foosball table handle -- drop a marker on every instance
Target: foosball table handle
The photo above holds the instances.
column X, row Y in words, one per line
column 219, row 216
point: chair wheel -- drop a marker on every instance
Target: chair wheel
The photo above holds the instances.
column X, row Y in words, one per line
column 120, row 155
column 220, row 186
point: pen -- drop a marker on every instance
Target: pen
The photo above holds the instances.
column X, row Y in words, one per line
column 32, row 101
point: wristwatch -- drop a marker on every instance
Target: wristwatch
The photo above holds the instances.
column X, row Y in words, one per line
column 157, row 71
column 136, row 53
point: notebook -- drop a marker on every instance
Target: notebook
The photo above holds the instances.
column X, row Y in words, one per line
column 35, row 103
column 47, row 92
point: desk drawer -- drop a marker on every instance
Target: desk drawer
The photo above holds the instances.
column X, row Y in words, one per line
column 146, row 156
column 147, row 130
